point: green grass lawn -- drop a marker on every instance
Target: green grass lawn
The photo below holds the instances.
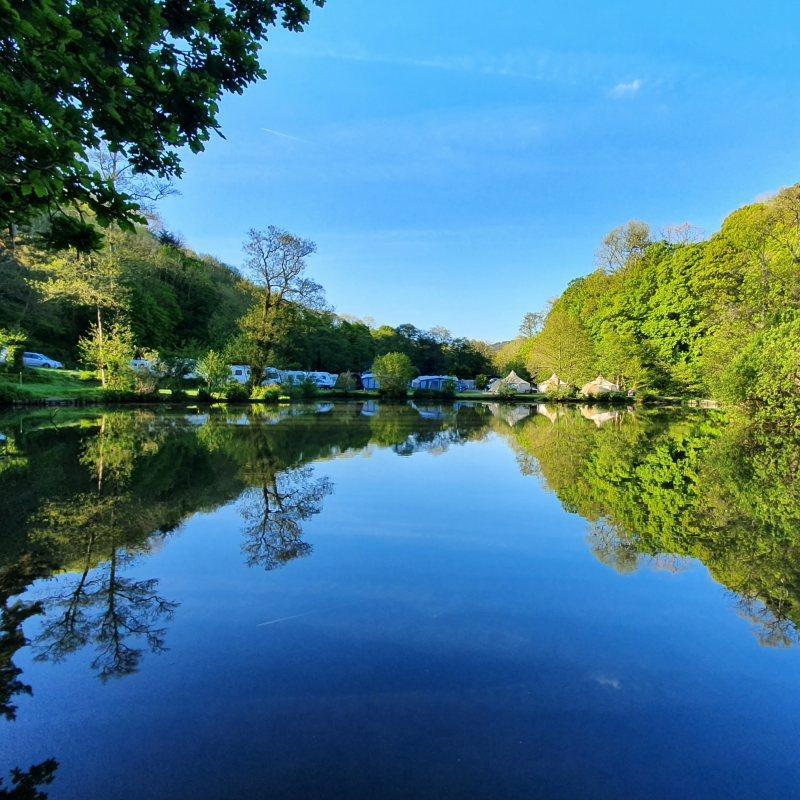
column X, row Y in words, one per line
column 43, row 384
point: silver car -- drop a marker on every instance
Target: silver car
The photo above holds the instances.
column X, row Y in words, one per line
column 38, row 360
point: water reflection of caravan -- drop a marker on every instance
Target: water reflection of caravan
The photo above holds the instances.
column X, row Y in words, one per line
column 431, row 411
column 369, row 408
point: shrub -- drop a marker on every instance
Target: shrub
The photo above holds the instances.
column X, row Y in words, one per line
column 112, row 352
column 214, row 370
column 308, row 388
column 305, row 388
column 393, row 372
column 87, row 375
column 12, row 346
column 506, row 392
column 481, row 382
column 144, row 382
column 345, row 382
column 235, row 393
column 204, row 396
column 266, row 394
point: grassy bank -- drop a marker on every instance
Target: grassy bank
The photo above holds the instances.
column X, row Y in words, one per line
column 43, row 385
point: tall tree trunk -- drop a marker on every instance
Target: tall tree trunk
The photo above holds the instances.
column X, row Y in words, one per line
column 101, row 348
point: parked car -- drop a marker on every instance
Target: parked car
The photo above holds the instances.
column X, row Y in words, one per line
column 38, row 360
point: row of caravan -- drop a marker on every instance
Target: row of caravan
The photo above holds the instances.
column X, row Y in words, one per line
column 324, row 380
column 327, row 380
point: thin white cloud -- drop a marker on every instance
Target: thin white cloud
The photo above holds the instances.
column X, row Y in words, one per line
column 611, row 683
column 282, row 135
column 631, row 89
column 548, row 66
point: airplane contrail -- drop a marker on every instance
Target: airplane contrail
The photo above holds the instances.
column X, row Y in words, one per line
column 285, row 135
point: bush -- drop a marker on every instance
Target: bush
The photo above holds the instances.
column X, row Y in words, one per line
column 13, row 345
column 266, row 394
column 506, row 392
column 481, row 382
column 178, row 395
column 346, row 382
column 214, row 370
column 305, row 388
column 393, row 372
column 204, row 396
column 235, row 393
column 87, row 375
column 308, row 388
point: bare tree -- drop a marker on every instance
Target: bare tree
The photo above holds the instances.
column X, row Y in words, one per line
column 146, row 190
column 532, row 323
column 440, row 334
column 624, row 245
column 685, row 233
column 276, row 262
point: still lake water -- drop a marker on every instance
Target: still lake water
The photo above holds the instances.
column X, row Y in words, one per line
column 353, row 601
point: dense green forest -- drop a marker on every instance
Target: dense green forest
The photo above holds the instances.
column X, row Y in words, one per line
column 181, row 304
column 673, row 314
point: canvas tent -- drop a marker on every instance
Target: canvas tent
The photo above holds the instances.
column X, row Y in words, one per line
column 598, row 386
column 513, row 380
column 552, row 384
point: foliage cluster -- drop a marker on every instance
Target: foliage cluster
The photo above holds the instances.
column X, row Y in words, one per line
column 676, row 315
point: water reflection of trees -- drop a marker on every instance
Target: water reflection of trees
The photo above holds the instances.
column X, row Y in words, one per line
column 85, row 495
column 104, row 609
column 661, row 487
column 274, row 514
column 26, row 783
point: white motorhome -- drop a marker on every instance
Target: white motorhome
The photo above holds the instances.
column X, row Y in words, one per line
column 324, row 380
column 240, row 373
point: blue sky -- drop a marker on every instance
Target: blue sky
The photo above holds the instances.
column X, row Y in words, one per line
column 457, row 163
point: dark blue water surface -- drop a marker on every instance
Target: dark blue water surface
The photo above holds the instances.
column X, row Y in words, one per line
column 399, row 602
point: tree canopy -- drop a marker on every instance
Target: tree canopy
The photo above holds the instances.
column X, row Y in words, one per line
column 144, row 77
column 717, row 317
